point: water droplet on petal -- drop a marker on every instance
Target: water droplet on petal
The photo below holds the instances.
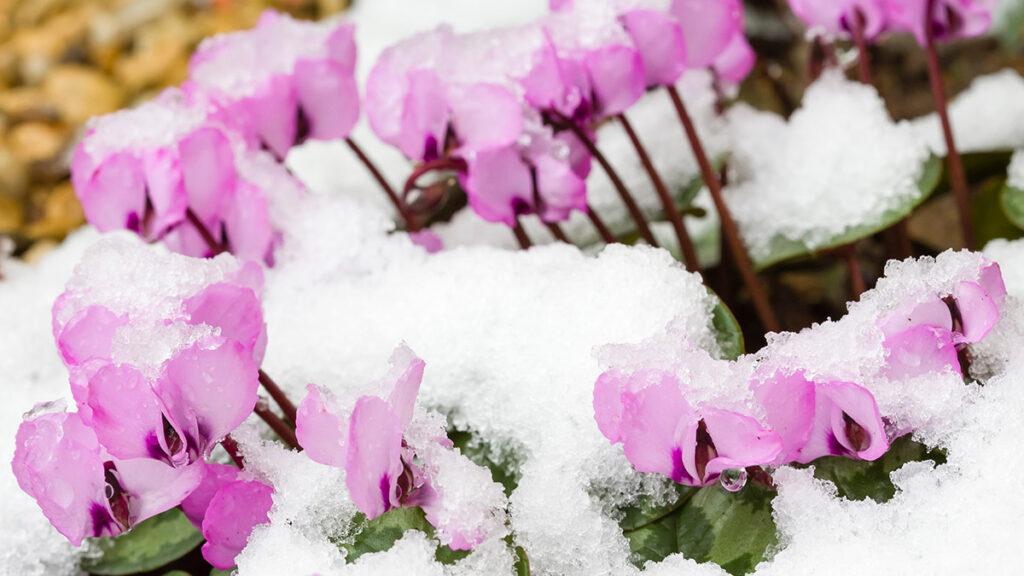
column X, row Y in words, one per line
column 733, row 480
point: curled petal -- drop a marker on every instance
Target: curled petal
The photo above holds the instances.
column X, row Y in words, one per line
column 373, row 460
column 127, row 416
column 617, row 78
column 320, row 429
column 328, row 96
column 656, row 423
column 404, row 379
column 659, row 38
column 739, row 440
column 215, row 476
column 855, row 420
column 234, row 511
column 208, row 170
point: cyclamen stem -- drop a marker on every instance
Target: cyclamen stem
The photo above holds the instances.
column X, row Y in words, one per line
column 280, row 398
column 283, row 430
column 863, row 54
column 400, row 206
column 957, row 177
column 729, row 228
column 521, row 237
column 685, row 243
column 557, row 233
column 211, row 242
column 602, row 229
column 631, row 206
column 231, row 447
column 857, row 285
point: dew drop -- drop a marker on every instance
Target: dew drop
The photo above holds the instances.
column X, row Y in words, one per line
column 733, row 480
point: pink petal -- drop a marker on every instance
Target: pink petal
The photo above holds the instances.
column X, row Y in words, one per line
column 88, row 335
column 498, row 184
column 608, row 405
column 328, row 96
column 735, row 62
column 428, row 240
column 740, row 442
column 320, row 429
column 208, row 169
column 214, row 389
column 234, row 511
column 166, row 190
column 215, row 476
column 858, row 404
column 920, row 350
column 235, row 310
column 57, row 462
column 991, row 280
column 247, row 223
column 274, row 110
column 404, row 377
column 126, row 413
column 487, row 116
column 114, row 197
column 932, row 312
column 656, row 423
column 789, row 405
column 708, row 28
column 979, row 312
column 373, row 462
column 425, row 116
column 154, row 487
column 659, row 38
column 617, row 77
column 560, row 188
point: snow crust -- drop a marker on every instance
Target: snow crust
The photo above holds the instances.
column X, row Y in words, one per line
column 986, row 117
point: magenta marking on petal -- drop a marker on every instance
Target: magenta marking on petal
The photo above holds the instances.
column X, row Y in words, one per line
column 385, row 491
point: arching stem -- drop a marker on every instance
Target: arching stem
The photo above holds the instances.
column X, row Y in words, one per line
column 280, row 398
column 282, row 429
column 212, row 243
column 520, row 234
column 957, row 177
column 403, row 210
column 857, row 285
column 669, row 205
column 556, row 232
column 729, row 228
column 599, row 225
column 231, row 447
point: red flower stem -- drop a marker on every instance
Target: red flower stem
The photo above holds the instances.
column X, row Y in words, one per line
column 403, row 210
column 211, row 242
column 685, row 243
column 280, row 398
column 620, row 186
column 729, row 228
column 557, row 232
column 857, row 285
column 521, row 237
column 283, row 430
column 231, row 447
column 863, row 53
column 957, row 177
column 599, row 225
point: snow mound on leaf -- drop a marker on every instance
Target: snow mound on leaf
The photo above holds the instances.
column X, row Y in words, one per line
column 840, row 162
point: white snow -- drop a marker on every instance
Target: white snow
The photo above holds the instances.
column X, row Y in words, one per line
column 986, row 117
column 838, row 163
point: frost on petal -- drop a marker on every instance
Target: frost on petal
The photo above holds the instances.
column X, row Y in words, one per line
column 617, row 78
column 57, row 462
column 373, row 460
column 659, row 39
column 114, row 196
column 608, row 405
column 656, row 423
column 233, row 512
column 919, row 350
column 560, row 188
column 127, row 415
column 403, row 379
column 88, row 335
column 209, row 392
column 214, row 477
column 320, row 429
column 235, row 310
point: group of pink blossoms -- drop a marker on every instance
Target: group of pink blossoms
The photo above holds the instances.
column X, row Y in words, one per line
column 195, row 169
column 663, row 429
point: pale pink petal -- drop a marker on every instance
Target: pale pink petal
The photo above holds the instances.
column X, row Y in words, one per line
column 328, row 96
column 659, row 38
column 274, row 110
column 560, row 188
column 979, row 312
column 608, row 405
column 708, row 28
column 617, row 76
column 656, row 423
column 320, row 429
column 498, row 184
column 735, row 62
column 126, row 414
column 853, row 402
column 425, row 116
column 403, row 378
column 214, row 477
column 920, row 350
column 739, row 440
column 114, row 197
column 428, row 240
column 214, row 388
column 373, row 461
column 932, row 312
column 233, row 309
column 88, row 335
column 487, row 116
column 166, row 190
column 234, row 511
column 789, row 404
column 57, row 462
column 208, row 170
column 247, row 223
column 154, row 487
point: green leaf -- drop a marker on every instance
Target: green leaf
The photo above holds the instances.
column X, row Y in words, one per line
column 727, row 330
column 522, row 565
column 783, row 249
column 216, row 572
column 734, row 531
column 989, row 215
column 1012, row 202
column 445, row 555
column 148, row 546
column 859, row 480
column 650, row 527
column 177, row 573
column 381, row 533
column 504, row 465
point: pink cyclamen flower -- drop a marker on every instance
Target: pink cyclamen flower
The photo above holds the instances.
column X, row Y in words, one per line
column 215, row 477
column 234, row 510
column 159, row 168
column 82, row 490
column 826, row 418
column 950, row 19
column 283, row 81
column 661, row 432
column 930, row 335
column 838, row 17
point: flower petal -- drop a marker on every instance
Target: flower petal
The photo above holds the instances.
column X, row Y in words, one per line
column 215, row 476
column 373, row 461
column 789, row 405
column 617, row 78
column 320, row 429
column 656, row 423
column 659, row 38
column 498, row 184
column 114, row 197
column 154, row 487
column 88, row 335
column 487, row 116
column 739, row 440
column 208, row 170
column 979, row 312
column 233, row 309
column 919, row 350
column 247, row 223
column 328, row 96
column 708, row 28
column 126, row 413
column 234, row 511
column 858, row 404
column 404, row 377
